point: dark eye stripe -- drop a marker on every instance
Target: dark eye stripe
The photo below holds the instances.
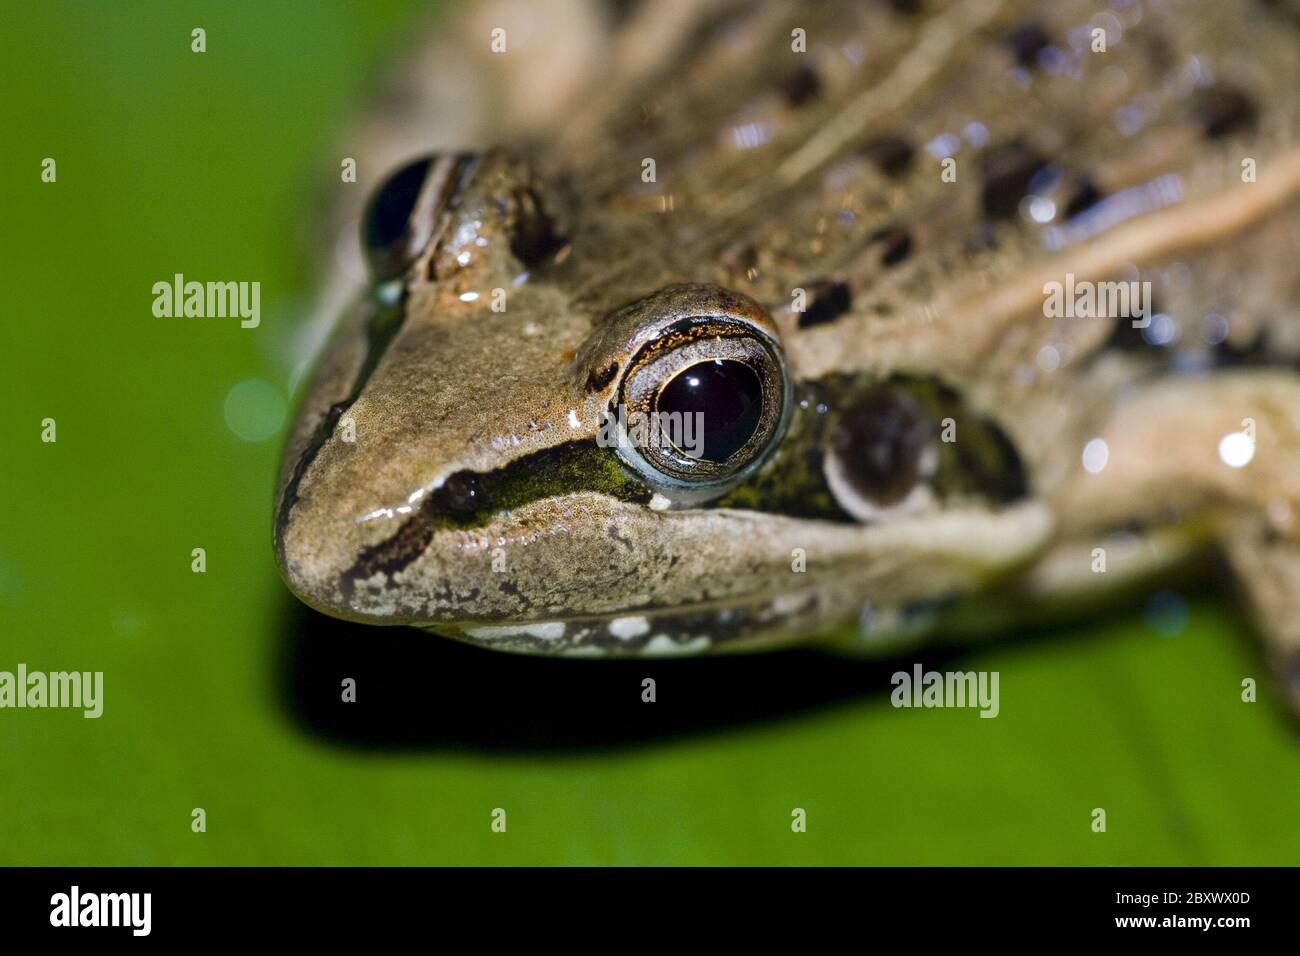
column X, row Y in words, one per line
column 469, row 500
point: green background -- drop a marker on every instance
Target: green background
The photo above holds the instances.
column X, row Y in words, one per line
column 213, row 165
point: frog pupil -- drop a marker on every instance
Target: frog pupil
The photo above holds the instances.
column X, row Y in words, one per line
column 728, row 398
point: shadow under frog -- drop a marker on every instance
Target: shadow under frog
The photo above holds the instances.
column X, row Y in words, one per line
column 418, row 691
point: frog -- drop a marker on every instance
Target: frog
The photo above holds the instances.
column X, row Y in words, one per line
column 836, row 236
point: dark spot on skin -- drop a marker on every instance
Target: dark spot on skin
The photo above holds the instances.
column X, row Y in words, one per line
column 896, row 244
column 880, row 443
column 801, row 86
column 601, row 377
column 1223, row 110
column 892, row 155
column 828, row 300
column 1007, row 171
column 512, row 589
column 906, row 7
column 1026, row 42
column 1084, row 196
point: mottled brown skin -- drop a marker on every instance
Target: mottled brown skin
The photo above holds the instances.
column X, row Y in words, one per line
column 778, row 171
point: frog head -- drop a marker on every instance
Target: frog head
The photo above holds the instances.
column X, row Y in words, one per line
column 513, row 441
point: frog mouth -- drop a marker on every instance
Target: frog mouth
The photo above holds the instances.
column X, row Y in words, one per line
column 961, row 550
column 714, row 627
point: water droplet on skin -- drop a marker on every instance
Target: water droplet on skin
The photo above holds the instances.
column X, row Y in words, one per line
column 1161, row 331
column 1039, row 208
column 1236, row 449
column 1095, row 456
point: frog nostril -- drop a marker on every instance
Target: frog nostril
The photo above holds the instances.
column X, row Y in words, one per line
column 461, row 493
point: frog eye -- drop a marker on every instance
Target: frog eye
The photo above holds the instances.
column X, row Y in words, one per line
column 702, row 405
column 403, row 213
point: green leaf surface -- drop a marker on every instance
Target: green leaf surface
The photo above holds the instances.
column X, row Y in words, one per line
column 213, row 165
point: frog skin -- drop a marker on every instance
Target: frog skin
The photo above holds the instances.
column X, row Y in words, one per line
column 916, row 460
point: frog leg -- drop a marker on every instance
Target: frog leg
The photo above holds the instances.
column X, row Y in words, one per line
column 1222, row 452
